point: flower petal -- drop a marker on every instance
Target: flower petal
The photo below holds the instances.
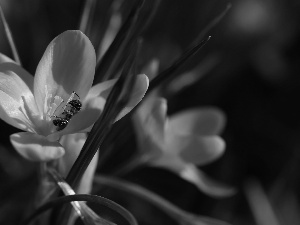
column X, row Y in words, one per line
column 67, row 65
column 204, row 183
column 87, row 179
column 151, row 68
column 150, row 120
column 4, row 59
column 73, row 144
column 10, row 112
column 168, row 161
column 35, row 147
column 195, row 149
column 139, row 90
column 17, row 104
column 101, row 90
column 21, row 82
column 94, row 103
column 201, row 121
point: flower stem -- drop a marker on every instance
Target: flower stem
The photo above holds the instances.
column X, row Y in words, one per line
column 183, row 217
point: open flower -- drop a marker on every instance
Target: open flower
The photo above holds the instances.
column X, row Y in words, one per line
column 181, row 142
column 33, row 103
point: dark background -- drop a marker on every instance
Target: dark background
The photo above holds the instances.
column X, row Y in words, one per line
column 249, row 69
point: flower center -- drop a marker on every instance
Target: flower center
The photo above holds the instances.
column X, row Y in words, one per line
column 59, row 112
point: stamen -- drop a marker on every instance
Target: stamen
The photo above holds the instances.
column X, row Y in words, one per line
column 47, row 100
column 51, row 104
column 57, row 102
column 27, row 112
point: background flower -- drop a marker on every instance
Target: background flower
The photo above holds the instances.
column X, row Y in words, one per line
column 182, row 141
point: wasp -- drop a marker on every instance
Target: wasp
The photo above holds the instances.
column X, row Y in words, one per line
column 72, row 107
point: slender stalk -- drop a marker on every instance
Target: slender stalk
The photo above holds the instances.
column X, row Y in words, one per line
column 10, row 38
column 115, row 102
column 87, row 215
column 168, row 73
column 213, row 23
column 183, row 217
column 118, row 210
column 112, row 56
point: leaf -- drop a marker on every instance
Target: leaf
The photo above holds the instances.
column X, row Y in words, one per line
column 10, row 38
column 119, row 215
column 260, row 205
column 169, row 72
column 183, row 217
column 206, row 184
column 213, row 23
column 116, row 101
column 87, row 215
column 111, row 58
column 87, row 14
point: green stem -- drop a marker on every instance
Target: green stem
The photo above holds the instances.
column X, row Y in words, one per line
column 183, row 217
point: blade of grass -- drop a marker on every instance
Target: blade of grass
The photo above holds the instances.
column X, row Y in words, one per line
column 10, row 38
column 113, row 106
column 183, row 217
column 168, row 73
column 260, row 204
column 114, row 103
column 213, row 23
column 87, row 215
column 87, row 14
column 121, row 129
column 109, row 60
column 143, row 21
column 120, row 213
column 196, row 45
column 112, row 28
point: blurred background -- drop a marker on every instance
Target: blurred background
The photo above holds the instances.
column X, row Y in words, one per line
column 249, row 69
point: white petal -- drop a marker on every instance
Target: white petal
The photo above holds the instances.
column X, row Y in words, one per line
column 139, row 90
column 4, row 59
column 10, row 112
column 17, row 104
column 204, row 183
column 35, row 147
column 150, row 120
column 67, row 65
column 195, row 149
column 201, row 121
column 73, row 144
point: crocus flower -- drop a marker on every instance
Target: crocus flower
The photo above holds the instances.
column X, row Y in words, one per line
column 32, row 103
column 182, row 142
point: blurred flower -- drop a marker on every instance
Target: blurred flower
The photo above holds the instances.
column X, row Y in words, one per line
column 253, row 17
column 30, row 104
column 181, row 142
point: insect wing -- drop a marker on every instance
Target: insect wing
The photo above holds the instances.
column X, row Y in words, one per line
column 59, row 109
column 73, row 105
column 73, row 96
